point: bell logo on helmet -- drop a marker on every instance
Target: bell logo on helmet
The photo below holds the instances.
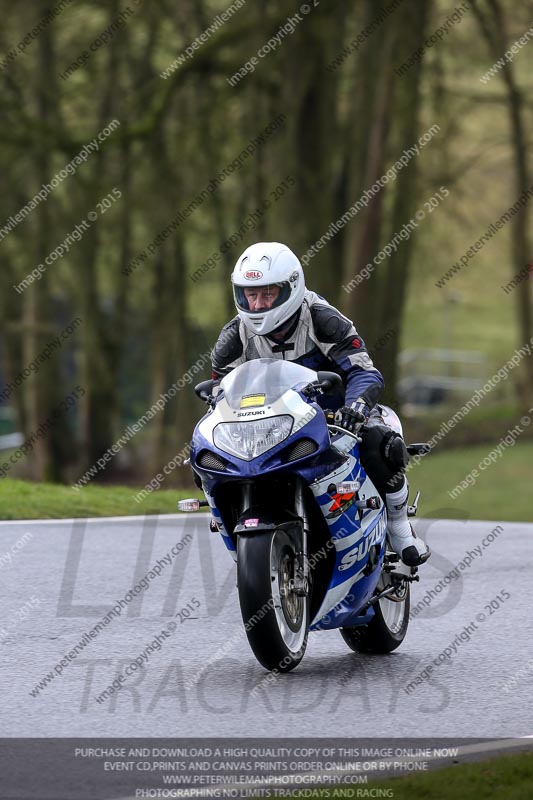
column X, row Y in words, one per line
column 253, row 275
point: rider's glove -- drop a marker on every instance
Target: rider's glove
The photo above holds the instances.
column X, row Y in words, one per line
column 352, row 417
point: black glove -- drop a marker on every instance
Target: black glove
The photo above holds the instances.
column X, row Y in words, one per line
column 353, row 417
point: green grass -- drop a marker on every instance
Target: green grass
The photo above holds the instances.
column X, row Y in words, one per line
column 502, row 778
column 25, row 500
column 502, row 492
column 487, row 423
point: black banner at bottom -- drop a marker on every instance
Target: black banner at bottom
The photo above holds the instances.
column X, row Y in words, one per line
column 106, row 769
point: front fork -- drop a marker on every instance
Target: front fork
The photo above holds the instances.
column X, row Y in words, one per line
column 300, row 583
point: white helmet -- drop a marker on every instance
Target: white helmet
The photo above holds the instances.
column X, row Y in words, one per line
column 268, row 264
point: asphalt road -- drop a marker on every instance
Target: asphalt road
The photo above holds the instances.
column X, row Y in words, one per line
column 63, row 577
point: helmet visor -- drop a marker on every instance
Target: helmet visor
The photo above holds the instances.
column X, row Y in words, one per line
column 258, row 299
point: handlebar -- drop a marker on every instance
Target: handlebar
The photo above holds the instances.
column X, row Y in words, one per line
column 338, row 429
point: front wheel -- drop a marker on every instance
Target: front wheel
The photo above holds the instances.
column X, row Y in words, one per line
column 276, row 619
column 388, row 627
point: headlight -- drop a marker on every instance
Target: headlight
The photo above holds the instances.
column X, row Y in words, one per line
column 250, row 439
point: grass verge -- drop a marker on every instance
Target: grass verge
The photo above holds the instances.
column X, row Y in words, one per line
column 25, row 500
column 502, row 491
column 501, row 778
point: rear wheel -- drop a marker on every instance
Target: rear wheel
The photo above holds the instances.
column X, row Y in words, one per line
column 388, row 628
column 276, row 619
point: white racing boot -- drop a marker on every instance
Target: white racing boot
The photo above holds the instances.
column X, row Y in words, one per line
column 402, row 537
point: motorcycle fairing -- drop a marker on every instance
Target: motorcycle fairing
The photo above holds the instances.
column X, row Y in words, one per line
column 352, row 531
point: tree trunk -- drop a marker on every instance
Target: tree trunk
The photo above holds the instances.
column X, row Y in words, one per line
column 494, row 31
column 310, row 141
column 371, row 123
column 395, row 277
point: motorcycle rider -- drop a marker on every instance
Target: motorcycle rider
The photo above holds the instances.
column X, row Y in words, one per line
column 279, row 318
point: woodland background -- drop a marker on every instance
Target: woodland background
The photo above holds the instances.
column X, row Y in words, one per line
column 145, row 323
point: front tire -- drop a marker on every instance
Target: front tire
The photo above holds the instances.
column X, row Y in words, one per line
column 276, row 620
column 388, row 628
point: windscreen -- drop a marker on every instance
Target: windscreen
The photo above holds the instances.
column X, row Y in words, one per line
column 263, row 381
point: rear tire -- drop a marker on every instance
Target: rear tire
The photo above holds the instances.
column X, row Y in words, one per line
column 388, row 628
column 276, row 620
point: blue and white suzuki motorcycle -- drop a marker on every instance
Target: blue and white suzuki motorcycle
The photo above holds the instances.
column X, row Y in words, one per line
column 298, row 514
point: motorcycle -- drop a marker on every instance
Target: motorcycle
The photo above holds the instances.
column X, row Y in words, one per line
column 297, row 512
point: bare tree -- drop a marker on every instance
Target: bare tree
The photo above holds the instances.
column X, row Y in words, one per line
column 493, row 24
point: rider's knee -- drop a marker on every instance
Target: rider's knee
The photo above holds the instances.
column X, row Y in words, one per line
column 394, row 451
column 384, row 457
